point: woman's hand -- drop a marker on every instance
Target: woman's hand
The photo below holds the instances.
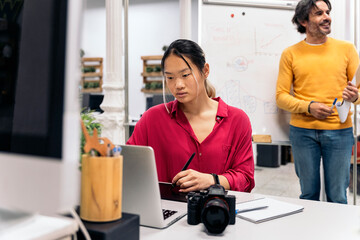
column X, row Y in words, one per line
column 191, row 180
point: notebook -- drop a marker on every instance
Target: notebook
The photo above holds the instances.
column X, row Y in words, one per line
column 344, row 106
column 274, row 209
column 141, row 194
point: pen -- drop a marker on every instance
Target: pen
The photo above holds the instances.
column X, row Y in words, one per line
column 92, row 152
column 115, row 152
column 188, row 162
column 108, row 150
column 185, row 166
column 333, row 103
column 237, row 211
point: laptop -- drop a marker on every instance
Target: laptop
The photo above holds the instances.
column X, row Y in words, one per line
column 141, row 193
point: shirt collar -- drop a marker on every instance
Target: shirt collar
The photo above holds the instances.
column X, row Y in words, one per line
column 222, row 111
column 172, row 106
column 222, row 108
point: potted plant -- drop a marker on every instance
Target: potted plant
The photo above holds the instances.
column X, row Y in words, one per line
column 101, row 176
column 87, row 116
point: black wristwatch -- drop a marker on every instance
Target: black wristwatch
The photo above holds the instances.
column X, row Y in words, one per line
column 309, row 106
column 216, row 178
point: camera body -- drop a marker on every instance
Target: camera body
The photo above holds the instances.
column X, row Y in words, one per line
column 213, row 207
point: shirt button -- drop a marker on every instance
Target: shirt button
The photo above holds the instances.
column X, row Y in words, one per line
column 200, row 154
column 218, row 118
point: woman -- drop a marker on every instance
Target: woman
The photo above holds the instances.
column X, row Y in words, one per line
column 196, row 122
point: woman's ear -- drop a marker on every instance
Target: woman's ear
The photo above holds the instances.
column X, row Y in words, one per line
column 206, row 70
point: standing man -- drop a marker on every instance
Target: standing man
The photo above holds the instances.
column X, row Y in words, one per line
column 312, row 74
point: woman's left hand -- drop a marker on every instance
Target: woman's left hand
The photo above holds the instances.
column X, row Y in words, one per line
column 191, row 180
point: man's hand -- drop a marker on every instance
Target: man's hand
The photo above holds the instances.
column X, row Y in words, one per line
column 350, row 93
column 191, row 180
column 320, row 110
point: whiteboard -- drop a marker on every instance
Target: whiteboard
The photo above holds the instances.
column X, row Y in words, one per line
column 243, row 45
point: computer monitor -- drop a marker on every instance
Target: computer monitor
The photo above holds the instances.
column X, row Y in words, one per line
column 39, row 105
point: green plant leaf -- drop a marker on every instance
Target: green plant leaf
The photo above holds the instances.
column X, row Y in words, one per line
column 90, row 124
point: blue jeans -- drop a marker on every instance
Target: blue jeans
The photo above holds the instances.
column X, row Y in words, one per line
column 334, row 147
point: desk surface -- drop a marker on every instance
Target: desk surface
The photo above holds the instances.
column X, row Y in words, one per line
column 40, row 227
column 319, row 220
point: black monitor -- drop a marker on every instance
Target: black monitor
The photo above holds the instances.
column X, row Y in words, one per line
column 39, row 105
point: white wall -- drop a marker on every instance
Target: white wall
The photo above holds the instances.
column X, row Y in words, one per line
column 152, row 24
column 94, row 29
column 342, row 20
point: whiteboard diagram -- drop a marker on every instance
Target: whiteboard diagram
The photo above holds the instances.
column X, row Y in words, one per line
column 239, row 64
column 243, row 46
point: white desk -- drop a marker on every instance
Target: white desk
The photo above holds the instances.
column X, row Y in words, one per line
column 319, row 220
column 40, row 227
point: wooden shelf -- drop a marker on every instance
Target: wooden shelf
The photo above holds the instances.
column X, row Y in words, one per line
column 149, row 91
column 91, row 90
column 92, row 59
column 152, row 57
column 153, row 62
column 156, row 91
column 92, row 77
column 151, row 74
column 92, row 74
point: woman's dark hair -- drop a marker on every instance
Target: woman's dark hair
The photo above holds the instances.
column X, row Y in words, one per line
column 303, row 10
column 191, row 50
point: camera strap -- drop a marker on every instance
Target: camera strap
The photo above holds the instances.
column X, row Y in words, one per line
column 216, row 178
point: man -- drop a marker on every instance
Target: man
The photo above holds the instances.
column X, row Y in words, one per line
column 312, row 74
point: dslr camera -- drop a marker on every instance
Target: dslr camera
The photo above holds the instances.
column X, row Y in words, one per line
column 213, row 207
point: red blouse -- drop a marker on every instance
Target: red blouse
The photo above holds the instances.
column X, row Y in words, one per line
column 226, row 151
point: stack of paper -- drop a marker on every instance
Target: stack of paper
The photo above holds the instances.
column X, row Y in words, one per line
column 275, row 209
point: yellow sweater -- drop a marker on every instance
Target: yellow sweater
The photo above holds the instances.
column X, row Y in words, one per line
column 316, row 73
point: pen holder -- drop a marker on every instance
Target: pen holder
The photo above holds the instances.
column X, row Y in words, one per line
column 101, row 188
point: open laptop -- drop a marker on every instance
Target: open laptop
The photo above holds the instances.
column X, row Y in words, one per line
column 141, row 194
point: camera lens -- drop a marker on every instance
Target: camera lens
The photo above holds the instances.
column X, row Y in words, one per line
column 193, row 209
column 215, row 215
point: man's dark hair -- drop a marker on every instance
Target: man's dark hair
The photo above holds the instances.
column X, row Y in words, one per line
column 302, row 12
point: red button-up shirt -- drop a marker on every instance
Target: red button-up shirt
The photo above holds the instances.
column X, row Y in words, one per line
column 226, row 151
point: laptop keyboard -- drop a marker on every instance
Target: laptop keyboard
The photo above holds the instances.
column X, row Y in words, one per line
column 168, row 213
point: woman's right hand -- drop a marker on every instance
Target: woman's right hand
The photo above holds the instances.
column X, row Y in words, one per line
column 191, row 180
